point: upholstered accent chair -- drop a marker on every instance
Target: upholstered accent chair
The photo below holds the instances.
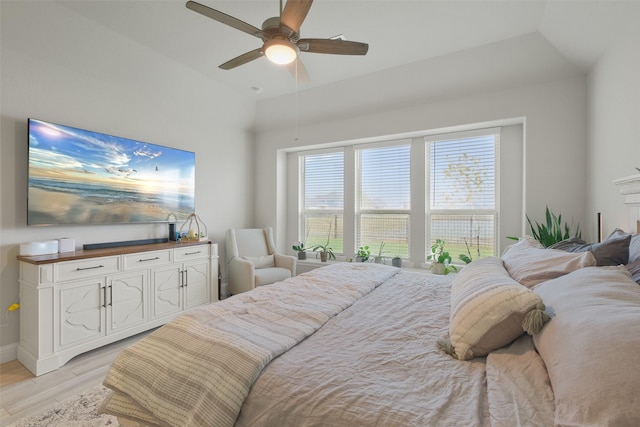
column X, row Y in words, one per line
column 252, row 259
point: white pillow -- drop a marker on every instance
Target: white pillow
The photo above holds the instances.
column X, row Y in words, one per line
column 488, row 309
column 591, row 346
column 261, row 261
column 531, row 265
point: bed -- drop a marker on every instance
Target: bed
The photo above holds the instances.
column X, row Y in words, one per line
column 363, row 344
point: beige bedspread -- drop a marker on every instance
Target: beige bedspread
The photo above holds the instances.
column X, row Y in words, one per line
column 366, row 355
column 198, row 369
column 518, row 386
column 376, row 364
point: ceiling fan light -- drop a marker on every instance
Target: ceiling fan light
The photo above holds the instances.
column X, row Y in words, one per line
column 280, row 51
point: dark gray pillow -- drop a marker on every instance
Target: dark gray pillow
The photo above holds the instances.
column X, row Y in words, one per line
column 613, row 251
column 634, row 246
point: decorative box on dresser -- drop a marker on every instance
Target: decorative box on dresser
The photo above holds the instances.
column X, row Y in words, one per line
column 74, row 302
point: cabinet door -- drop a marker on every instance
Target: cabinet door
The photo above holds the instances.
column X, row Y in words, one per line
column 82, row 311
column 127, row 302
column 166, row 284
column 196, row 283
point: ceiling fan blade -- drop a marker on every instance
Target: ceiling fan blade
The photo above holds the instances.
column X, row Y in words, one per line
column 242, row 59
column 225, row 19
column 299, row 71
column 294, row 13
column 336, row 47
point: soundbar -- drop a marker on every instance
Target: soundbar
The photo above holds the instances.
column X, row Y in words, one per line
column 126, row 243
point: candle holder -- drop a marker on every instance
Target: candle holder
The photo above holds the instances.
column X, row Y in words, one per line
column 193, row 229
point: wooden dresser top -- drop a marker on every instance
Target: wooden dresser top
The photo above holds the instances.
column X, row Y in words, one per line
column 95, row 253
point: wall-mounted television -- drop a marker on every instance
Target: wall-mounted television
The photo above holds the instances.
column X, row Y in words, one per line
column 78, row 176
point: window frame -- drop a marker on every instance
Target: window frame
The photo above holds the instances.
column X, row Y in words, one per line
column 429, row 212
column 359, row 211
column 302, row 211
column 419, row 208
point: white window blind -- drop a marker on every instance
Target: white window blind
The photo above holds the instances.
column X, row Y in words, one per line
column 383, row 199
column 322, row 195
column 361, row 194
column 462, row 207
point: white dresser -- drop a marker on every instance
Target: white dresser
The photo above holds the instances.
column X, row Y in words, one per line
column 77, row 301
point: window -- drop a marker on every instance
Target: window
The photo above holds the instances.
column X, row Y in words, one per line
column 406, row 193
column 462, row 208
column 383, row 199
column 322, row 196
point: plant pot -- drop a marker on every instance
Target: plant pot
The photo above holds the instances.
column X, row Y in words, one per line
column 438, row 268
column 302, row 255
column 358, row 259
column 397, row 262
column 379, row 260
column 323, row 257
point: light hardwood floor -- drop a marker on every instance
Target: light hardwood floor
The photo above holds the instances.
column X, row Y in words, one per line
column 23, row 394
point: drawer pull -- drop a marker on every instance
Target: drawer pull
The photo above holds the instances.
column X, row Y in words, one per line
column 149, row 259
column 192, row 253
column 89, row 268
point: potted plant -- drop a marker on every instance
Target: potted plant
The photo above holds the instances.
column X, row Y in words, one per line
column 325, row 250
column 396, row 261
column 441, row 260
column 363, row 254
column 299, row 247
column 552, row 231
column 379, row 259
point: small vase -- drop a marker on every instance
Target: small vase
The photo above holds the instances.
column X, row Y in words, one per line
column 438, row 268
column 323, row 257
column 397, row 262
column 302, row 255
column 379, row 260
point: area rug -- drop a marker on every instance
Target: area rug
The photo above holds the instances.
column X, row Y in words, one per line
column 76, row 411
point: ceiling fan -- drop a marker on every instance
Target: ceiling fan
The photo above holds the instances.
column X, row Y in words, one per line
column 281, row 38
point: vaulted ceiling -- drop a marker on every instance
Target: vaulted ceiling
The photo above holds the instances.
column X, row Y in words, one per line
column 398, row 33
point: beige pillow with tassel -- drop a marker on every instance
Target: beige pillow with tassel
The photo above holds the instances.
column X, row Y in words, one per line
column 489, row 310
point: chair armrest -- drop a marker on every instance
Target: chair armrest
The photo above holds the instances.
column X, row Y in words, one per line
column 241, row 275
column 286, row 261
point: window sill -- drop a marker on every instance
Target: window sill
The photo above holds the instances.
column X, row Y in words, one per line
column 311, row 263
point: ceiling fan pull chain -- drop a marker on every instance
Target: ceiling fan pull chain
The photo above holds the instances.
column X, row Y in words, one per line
column 296, row 135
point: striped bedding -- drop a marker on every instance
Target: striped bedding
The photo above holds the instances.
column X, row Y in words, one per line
column 198, row 369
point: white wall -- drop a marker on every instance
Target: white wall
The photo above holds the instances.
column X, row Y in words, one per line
column 555, row 143
column 524, row 77
column 61, row 67
column 614, row 127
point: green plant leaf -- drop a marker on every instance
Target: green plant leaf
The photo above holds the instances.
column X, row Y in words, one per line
column 464, row 258
column 553, row 230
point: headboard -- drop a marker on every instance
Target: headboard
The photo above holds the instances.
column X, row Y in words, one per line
column 630, row 188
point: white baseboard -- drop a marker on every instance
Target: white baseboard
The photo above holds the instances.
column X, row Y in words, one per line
column 8, row 353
